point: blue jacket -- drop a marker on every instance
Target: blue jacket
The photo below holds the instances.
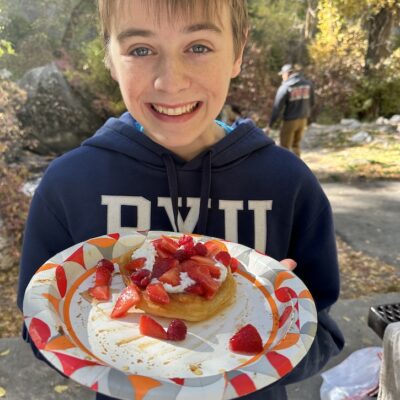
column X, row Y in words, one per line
column 245, row 189
column 295, row 97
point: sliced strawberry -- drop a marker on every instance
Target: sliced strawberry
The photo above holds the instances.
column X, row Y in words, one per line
column 234, row 264
column 215, row 272
column 200, row 249
column 186, row 241
column 160, row 251
column 201, row 274
column 106, row 263
column 214, row 247
column 141, row 277
column 136, row 263
column 169, row 244
column 223, row 257
column 203, row 260
column 162, row 265
column 103, row 276
column 157, row 293
column 177, row 330
column 128, row 298
column 100, row 292
column 246, row 340
column 195, row 289
column 182, row 255
column 171, row 276
column 149, row 327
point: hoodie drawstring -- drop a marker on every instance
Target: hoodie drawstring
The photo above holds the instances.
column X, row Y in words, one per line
column 204, row 192
column 173, row 186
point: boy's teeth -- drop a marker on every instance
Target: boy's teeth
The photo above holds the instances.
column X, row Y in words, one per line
column 175, row 111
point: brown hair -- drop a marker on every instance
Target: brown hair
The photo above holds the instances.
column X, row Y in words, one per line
column 186, row 9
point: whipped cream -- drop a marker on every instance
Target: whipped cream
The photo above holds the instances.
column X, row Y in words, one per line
column 147, row 251
column 186, row 281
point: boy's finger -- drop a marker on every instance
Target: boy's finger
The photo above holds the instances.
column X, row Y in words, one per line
column 289, row 263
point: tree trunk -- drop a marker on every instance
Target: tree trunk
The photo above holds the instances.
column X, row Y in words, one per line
column 310, row 25
column 380, row 28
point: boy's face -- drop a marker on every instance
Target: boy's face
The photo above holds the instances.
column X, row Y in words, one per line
column 173, row 75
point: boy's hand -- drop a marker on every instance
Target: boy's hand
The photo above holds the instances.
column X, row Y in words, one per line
column 289, row 263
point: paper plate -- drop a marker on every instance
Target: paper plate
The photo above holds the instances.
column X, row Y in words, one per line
column 111, row 357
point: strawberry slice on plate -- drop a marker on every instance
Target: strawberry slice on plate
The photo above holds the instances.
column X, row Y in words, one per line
column 157, row 293
column 246, row 340
column 100, row 292
column 128, row 298
column 103, row 276
column 149, row 327
column 105, row 263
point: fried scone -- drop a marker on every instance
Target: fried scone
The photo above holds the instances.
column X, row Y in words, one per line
column 181, row 278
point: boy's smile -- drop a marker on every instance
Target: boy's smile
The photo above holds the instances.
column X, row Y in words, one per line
column 174, row 73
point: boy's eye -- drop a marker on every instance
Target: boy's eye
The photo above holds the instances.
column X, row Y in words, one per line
column 199, row 49
column 141, row 52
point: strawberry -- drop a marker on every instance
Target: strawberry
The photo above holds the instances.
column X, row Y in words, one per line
column 169, row 244
column 128, row 298
column 182, row 255
column 223, row 257
column 157, row 293
column 195, row 289
column 234, row 264
column 106, row 263
column 215, row 272
column 201, row 274
column 100, row 292
column 246, row 340
column 136, row 263
column 171, row 276
column 202, row 260
column 103, row 276
column 149, row 327
column 141, row 277
column 214, row 247
column 200, row 249
column 176, row 330
column 186, row 241
column 162, row 265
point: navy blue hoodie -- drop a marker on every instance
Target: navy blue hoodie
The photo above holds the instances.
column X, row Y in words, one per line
column 244, row 189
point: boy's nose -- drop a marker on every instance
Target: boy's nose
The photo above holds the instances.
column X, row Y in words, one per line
column 171, row 76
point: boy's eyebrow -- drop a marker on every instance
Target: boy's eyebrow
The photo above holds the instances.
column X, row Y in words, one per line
column 203, row 26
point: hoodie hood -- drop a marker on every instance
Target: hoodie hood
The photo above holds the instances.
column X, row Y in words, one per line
column 294, row 79
column 123, row 136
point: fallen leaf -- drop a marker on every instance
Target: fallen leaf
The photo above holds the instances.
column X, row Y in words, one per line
column 60, row 388
column 2, row 392
column 5, row 353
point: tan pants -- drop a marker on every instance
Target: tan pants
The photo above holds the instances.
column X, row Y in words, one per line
column 291, row 134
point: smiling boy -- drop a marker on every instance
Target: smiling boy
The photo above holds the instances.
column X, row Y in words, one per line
column 166, row 164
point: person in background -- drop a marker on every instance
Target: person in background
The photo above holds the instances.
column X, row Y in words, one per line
column 295, row 98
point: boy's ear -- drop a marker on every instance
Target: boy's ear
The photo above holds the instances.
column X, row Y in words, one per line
column 238, row 62
column 112, row 70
